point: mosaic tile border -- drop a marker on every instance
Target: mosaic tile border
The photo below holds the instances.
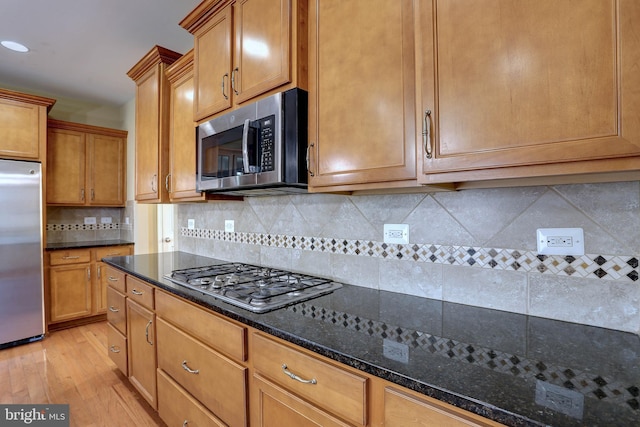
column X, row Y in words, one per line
column 622, row 268
column 80, row 227
column 590, row 385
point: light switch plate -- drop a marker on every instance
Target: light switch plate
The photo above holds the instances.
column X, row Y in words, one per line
column 105, row 220
column 191, row 224
column 560, row 241
column 229, row 225
column 90, row 220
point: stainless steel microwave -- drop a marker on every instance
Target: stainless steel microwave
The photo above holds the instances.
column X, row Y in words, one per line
column 256, row 149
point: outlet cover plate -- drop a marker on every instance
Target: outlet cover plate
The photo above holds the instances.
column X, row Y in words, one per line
column 396, row 234
column 229, row 225
column 191, row 224
column 560, row 241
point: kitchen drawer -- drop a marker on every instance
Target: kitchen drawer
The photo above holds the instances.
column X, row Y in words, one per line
column 178, row 408
column 335, row 389
column 216, row 381
column 115, row 278
column 117, row 310
column 140, row 292
column 216, row 332
column 117, row 345
column 71, row 256
column 109, row 251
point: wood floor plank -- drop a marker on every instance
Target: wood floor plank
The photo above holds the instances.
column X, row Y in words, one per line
column 72, row 366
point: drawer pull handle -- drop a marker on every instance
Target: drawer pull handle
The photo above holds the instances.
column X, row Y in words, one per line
column 70, row 257
column 112, row 279
column 113, row 309
column 188, row 369
column 297, row 378
column 114, row 349
column 136, row 292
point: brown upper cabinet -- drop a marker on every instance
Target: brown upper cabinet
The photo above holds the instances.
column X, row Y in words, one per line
column 528, row 89
column 245, row 48
column 86, row 165
column 362, row 98
column 152, row 124
column 23, row 120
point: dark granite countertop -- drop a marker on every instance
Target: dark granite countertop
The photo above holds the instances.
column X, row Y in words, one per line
column 515, row 369
column 88, row 244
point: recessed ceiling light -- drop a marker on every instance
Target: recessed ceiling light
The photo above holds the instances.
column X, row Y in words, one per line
column 15, row 46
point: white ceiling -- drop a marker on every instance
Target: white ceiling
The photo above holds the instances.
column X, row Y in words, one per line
column 82, row 49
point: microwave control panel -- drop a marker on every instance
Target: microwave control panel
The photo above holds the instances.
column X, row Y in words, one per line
column 267, row 143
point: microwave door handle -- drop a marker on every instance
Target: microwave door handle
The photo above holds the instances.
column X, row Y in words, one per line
column 245, row 146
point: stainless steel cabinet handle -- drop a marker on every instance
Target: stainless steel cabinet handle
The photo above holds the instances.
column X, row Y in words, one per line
column 426, row 133
column 185, row 423
column 233, row 80
column 113, row 309
column 167, row 182
column 224, row 86
column 297, row 378
column 82, row 194
column 93, row 194
column 308, row 159
column 70, row 257
column 114, row 349
column 154, row 180
column 88, row 274
column 99, row 272
column 191, row 371
column 112, row 279
column 146, row 332
column 136, row 292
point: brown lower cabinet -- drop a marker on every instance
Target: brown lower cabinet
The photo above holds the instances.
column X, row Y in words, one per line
column 75, row 284
column 197, row 367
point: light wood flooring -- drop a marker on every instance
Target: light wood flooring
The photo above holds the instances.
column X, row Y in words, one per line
column 72, row 366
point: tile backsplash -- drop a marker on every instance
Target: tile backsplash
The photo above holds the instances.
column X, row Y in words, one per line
column 475, row 247
column 66, row 224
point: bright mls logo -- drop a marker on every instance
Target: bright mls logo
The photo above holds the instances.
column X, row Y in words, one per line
column 36, row 415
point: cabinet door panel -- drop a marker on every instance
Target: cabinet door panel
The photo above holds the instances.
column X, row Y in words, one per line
column 107, row 167
column 20, row 128
column 362, row 92
column 141, row 341
column 528, row 82
column 70, row 292
column 147, row 137
column 262, row 51
column 66, row 167
column 212, row 50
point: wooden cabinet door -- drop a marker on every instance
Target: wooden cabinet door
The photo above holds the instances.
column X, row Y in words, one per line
column 66, row 151
column 262, row 46
column 20, row 123
column 525, row 83
column 362, row 126
column 141, row 348
column 106, row 164
column 212, row 51
column 148, row 173
column 70, row 290
column 182, row 139
column 274, row 406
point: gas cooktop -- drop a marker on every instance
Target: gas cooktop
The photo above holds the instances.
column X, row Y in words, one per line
column 254, row 288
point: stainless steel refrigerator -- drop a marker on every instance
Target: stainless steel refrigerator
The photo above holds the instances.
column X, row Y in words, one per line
column 21, row 285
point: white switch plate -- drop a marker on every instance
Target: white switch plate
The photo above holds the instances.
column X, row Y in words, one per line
column 191, row 224
column 560, row 241
column 105, row 220
column 229, row 225
column 396, row 233
column 89, row 220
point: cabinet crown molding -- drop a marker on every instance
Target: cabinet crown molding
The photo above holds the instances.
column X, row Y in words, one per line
column 80, row 127
column 180, row 68
column 201, row 14
column 156, row 56
column 25, row 97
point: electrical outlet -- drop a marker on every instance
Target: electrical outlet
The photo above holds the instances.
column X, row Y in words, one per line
column 560, row 399
column 560, row 241
column 105, row 220
column 229, row 225
column 396, row 233
column 191, row 224
column 395, row 351
column 90, row 220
